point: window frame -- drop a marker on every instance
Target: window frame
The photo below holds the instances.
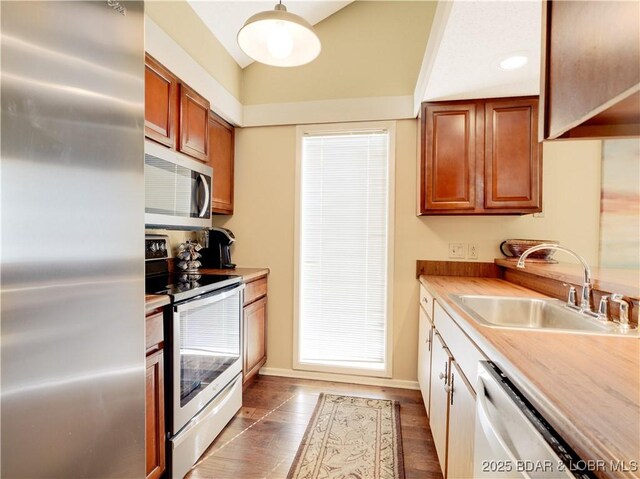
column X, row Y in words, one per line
column 344, row 128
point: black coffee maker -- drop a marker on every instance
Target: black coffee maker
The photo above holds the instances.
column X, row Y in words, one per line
column 216, row 251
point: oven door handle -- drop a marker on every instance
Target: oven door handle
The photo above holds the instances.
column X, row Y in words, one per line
column 213, row 297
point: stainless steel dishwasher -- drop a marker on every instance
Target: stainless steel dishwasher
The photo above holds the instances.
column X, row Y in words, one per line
column 512, row 439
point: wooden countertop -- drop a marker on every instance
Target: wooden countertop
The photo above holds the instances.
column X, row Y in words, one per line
column 248, row 274
column 623, row 281
column 586, row 386
column 154, row 301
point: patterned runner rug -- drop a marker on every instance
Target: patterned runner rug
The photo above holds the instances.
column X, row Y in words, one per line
column 351, row 438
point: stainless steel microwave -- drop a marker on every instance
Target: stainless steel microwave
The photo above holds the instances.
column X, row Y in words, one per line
column 177, row 189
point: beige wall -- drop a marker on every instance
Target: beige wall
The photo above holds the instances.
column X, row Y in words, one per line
column 182, row 24
column 264, row 217
column 369, row 49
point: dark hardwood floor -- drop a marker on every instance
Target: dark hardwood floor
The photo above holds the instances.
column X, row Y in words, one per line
column 262, row 439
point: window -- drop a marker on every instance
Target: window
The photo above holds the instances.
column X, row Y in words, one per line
column 344, row 231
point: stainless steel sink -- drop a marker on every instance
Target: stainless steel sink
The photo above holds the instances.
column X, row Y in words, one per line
column 529, row 313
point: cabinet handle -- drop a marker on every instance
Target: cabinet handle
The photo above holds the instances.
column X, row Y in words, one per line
column 445, row 373
column 425, row 300
column 451, row 388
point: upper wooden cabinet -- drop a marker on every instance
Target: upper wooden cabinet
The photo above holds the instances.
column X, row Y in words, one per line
column 160, row 103
column 174, row 114
column 194, row 124
column 450, row 157
column 221, row 154
column 512, row 176
column 480, row 157
column 591, row 69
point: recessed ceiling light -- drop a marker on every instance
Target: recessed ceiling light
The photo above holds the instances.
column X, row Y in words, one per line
column 514, row 62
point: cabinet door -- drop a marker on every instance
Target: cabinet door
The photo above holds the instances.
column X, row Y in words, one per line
column 255, row 337
column 591, row 72
column 194, row 124
column 440, row 364
column 160, row 103
column 512, row 157
column 155, row 432
column 449, row 147
column 221, row 150
column 424, row 357
column 462, row 416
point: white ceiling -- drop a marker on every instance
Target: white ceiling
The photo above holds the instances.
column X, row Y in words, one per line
column 477, row 36
column 225, row 18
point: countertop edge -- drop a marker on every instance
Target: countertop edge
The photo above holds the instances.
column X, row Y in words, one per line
column 155, row 301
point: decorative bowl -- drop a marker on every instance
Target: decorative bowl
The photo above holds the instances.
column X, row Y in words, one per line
column 514, row 248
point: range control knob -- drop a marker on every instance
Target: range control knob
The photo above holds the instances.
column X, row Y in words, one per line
column 161, row 247
column 153, row 247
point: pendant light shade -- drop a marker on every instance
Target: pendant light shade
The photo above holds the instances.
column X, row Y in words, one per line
column 279, row 38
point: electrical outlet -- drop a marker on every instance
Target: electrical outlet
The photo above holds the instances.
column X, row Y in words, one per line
column 472, row 251
column 456, row 250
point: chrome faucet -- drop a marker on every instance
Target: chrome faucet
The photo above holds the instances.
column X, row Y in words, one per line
column 587, row 286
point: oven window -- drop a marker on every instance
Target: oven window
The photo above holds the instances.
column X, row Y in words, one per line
column 209, row 344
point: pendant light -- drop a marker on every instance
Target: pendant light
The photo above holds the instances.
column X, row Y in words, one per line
column 279, row 38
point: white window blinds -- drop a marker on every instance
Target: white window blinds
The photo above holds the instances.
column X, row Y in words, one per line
column 344, row 217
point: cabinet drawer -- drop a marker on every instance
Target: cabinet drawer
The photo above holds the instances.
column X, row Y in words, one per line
column 466, row 354
column 426, row 301
column 154, row 331
column 254, row 290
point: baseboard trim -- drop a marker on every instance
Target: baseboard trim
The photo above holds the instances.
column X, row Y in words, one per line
column 340, row 378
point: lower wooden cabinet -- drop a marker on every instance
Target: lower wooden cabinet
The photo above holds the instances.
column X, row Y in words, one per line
column 254, row 328
column 453, row 361
column 439, row 418
column 425, row 338
column 154, row 400
column 462, row 407
column 155, row 437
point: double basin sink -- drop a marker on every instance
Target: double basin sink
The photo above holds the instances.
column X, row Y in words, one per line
column 531, row 313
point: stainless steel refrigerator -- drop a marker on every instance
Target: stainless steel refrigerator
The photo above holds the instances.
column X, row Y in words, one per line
column 72, row 366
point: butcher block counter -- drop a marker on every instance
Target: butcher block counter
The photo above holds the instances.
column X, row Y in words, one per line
column 586, row 386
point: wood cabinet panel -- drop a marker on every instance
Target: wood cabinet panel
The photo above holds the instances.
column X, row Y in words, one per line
column 439, row 398
column 154, row 419
column 449, row 146
column 255, row 337
column 254, row 290
column 154, row 331
column 160, row 102
column 221, row 159
column 194, row 124
column 591, row 68
column 512, row 155
column 462, row 407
